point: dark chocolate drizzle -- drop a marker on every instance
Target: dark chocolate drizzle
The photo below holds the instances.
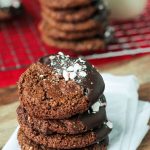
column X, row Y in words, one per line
column 92, row 83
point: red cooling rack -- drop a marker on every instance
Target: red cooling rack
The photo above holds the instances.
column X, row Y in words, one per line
column 20, row 43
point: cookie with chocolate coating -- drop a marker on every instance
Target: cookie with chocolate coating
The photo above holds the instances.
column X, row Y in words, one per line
column 58, row 87
column 78, row 124
column 61, row 141
column 27, row 144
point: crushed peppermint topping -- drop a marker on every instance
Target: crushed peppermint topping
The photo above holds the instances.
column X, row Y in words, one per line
column 60, row 53
column 109, row 124
column 82, row 74
column 102, row 104
column 72, row 75
column 70, row 69
column 81, row 60
column 66, row 75
column 95, row 107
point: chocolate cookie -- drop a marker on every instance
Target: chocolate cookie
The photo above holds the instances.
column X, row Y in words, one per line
column 75, row 14
column 58, row 87
column 61, row 141
column 96, row 22
column 58, row 34
column 78, row 45
column 27, row 144
column 63, row 4
column 70, row 15
column 74, row 125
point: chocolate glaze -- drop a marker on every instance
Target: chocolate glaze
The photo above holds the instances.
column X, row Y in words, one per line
column 106, row 141
column 92, row 120
column 93, row 82
column 96, row 89
column 102, row 132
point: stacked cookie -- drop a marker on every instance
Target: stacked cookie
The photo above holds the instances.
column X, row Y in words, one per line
column 62, row 106
column 77, row 25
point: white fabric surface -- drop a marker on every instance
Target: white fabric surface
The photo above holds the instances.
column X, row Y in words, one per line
column 129, row 115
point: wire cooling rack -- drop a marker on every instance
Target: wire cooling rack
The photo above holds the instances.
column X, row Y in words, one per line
column 20, row 42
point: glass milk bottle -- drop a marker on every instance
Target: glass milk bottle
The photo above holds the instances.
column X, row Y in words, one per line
column 126, row 9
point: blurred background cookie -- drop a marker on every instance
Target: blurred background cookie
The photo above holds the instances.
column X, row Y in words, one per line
column 65, row 4
column 76, row 45
column 78, row 26
column 70, row 15
column 55, row 33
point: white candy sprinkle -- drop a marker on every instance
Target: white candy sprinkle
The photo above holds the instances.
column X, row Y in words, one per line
column 60, row 53
column 95, row 107
column 82, row 74
column 72, row 75
column 84, row 67
column 103, row 104
column 71, row 68
column 77, row 67
column 81, row 60
column 66, row 75
column 109, row 124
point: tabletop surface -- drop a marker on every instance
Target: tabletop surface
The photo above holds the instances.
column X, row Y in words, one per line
column 136, row 66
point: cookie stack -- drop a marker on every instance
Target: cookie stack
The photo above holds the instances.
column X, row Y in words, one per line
column 62, row 106
column 79, row 25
